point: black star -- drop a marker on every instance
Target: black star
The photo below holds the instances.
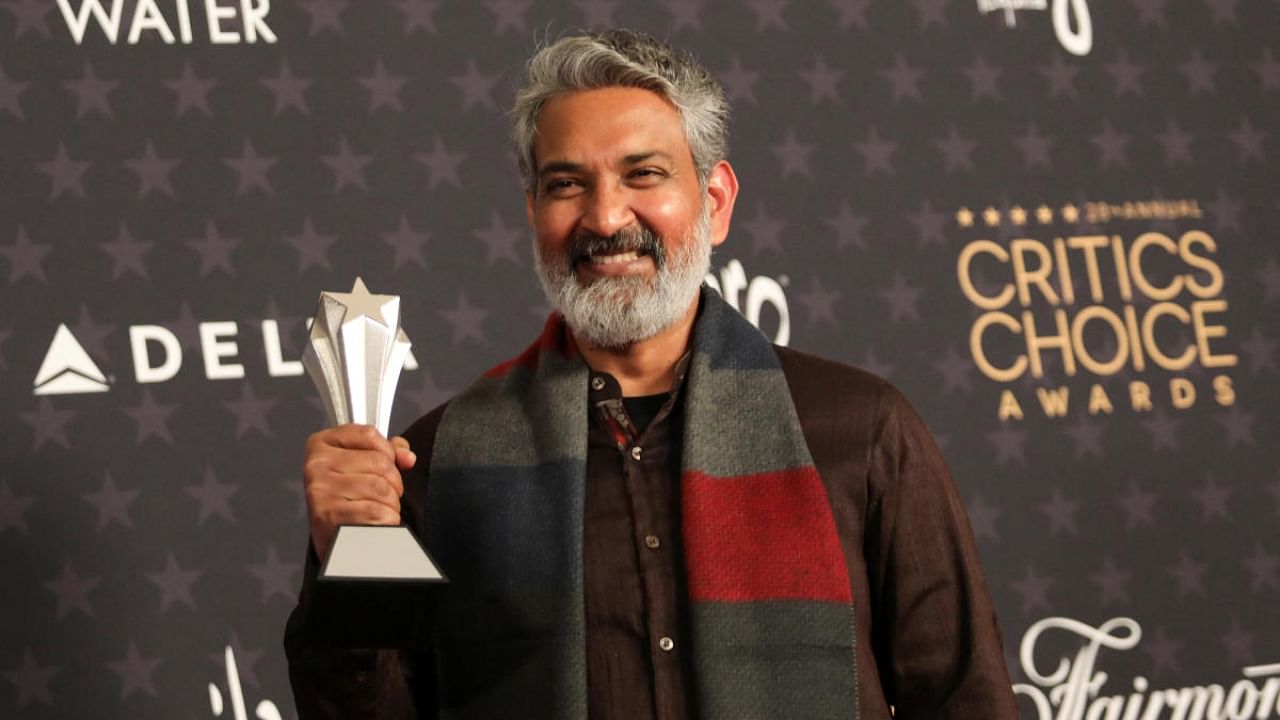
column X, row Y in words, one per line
column 1126, row 74
column 1248, row 141
column 956, row 150
column 765, row 230
column 250, row 412
column 1176, row 143
column 902, row 298
column 152, row 418
column 1086, row 434
column 930, row 224
column 1225, row 211
column 508, row 15
column 407, row 244
column 1061, row 513
column 1061, row 76
column 213, row 496
column 251, row 170
column 1261, row 352
column 851, row 12
column 1137, row 505
column 383, row 89
column 1267, row 67
column 1034, row 590
column 876, row 152
column 71, row 591
column 1238, row 644
column 288, row 89
column 1163, row 429
column 983, row 79
column 1189, row 575
column 214, row 250
column 1035, row 148
column 65, row 174
column 192, row 92
column 499, row 240
column 476, row 87
column 111, row 503
column 174, row 583
column 823, row 81
column 91, row 93
column 1264, row 569
column 32, row 680
column 152, row 171
column 684, row 14
column 739, row 82
column 847, row 227
column 1112, row 582
column 1238, row 426
column 1112, row 146
column 793, row 154
column 312, row 247
column 127, row 255
column 135, row 672
column 278, row 578
column 1009, row 443
column 25, row 257
column 10, row 92
column 418, row 14
column 442, row 165
column 1163, row 650
column 324, row 14
column 29, row 16
column 904, row 78
column 467, row 320
column 956, row 370
column 819, row 303
column 769, row 13
column 1213, row 497
column 49, row 425
column 1199, row 73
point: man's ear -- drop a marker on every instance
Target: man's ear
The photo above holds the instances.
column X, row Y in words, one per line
column 722, row 192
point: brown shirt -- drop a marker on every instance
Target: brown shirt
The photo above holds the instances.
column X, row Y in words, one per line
column 926, row 635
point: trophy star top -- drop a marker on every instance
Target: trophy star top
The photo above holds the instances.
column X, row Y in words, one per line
column 361, row 303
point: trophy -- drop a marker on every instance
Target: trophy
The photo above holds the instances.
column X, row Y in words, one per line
column 354, row 355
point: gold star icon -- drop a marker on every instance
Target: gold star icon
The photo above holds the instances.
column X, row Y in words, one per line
column 1044, row 215
column 991, row 217
column 1070, row 213
column 964, row 216
column 1017, row 215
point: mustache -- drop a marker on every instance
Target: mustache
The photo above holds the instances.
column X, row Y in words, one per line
column 637, row 238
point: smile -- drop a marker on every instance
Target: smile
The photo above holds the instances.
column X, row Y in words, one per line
column 614, row 259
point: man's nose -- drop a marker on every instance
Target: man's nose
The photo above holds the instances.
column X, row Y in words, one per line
column 607, row 211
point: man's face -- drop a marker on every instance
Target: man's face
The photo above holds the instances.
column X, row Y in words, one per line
column 623, row 229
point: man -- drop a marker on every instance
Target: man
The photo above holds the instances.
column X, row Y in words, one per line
column 653, row 513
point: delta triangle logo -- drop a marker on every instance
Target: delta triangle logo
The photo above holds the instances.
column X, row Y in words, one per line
column 67, row 369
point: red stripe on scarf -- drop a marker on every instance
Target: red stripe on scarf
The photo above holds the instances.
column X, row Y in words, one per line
column 768, row 536
column 554, row 338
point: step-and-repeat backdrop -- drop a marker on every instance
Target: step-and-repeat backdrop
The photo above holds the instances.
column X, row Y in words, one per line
column 1053, row 223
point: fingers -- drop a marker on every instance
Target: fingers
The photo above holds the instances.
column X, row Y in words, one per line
column 405, row 458
column 351, row 475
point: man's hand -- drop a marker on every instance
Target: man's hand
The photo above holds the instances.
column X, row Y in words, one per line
column 352, row 476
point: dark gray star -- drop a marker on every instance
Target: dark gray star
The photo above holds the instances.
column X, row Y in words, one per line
column 135, row 671
column 1189, row 575
column 467, row 320
column 1112, row 146
column 931, row 12
column 278, row 578
column 769, row 13
column 250, row 412
column 1200, row 73
column 92, row 93
column 92, row 335
column 213, row 497
column 1009, row 442
column 508, row 15
column 1238, row 644
column 1126, row 75
column 1112, row 582
column 418, row 14
column 251, row 170
column 1151, row 12
column 1261, row 352
column 956, row 150
column 1061, row 513
column 174, row 583
column 1061, row 75
column 29, row 16
column 983, row 517
column 819, row 303
column 499, row 240
column 48, row 424
column 65, row 174
column 1163, row 429
column 739, row 82
column 31, row 680
column 929, row 223
column 1264, row 569
column 476, row 87
column 152, row 171
column 25, row 257
column 1269, row 276
column 793, row 155
column 384, row 89
column 876, row 152
column 111, row 503
column 596, row 13
column 1225, row 211
column 13, row 509
column 428, row 395
column 1267, row 67
column 983, row 79
column 325, row 14
column 1176, row 143
column 347, row 166
column 191, row 90
column 956, row 370
column 127, row 254
column 1086, row 434
column 684, row 14
column 847, row 227
column 901, row 297
column 184, row 325
column 823, row 82
column 1237, row 425
column 152, row 418
column 1224, row 11
column 407, row 244
column 765, row 230
column 1248, row 141
column 442, row 165
column 851, row 12
column 10, row 93
column 1034, row 590
column 214, row 250
column 1163, row 650
column 71, row 591
column 312, row 247
column 1035, row 148
column 874, row 365
column 904, row 78
column 288, row 89
column 1213, row 497
column 1137, row 505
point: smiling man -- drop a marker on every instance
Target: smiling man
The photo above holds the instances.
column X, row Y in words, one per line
column 652, row 512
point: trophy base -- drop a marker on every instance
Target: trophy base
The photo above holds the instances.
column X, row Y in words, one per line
column 376, row 587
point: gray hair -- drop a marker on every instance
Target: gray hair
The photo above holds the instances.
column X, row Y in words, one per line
column 624, row 58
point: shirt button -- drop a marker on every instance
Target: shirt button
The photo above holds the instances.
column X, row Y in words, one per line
column 597, row 383
column 666, row 643
column 652, row 542
column 635, row 452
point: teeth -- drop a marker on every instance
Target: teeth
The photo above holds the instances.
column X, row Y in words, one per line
column 609, row 259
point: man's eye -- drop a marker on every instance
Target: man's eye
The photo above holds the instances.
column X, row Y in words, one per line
column 647, row 174
column 560, row 186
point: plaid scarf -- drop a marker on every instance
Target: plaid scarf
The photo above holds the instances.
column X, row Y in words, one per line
column 771, row 609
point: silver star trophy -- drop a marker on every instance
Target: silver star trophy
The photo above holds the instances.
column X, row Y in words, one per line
column 354, row 356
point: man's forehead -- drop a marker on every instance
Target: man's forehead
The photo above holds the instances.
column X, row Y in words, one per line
column 617, row 124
